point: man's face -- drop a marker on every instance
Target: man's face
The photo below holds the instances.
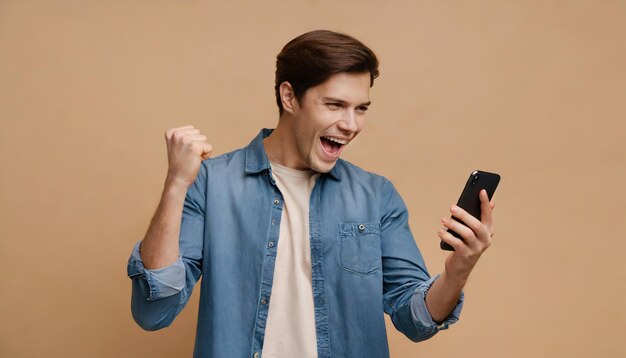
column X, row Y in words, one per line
column 328, row 116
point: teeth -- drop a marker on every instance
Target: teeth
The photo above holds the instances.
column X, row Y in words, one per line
column 342, row 142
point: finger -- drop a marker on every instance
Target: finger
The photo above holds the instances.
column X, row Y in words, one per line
column 485, row 209
column 480, row 230
column 201, row 148
column 467, row 218
column 451, row 240
column 170, row 131
column 178, row 135
column 465, row 232
column 194, row 138
column 207, row 149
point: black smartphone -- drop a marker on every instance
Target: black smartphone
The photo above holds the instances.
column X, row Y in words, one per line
column 470, row 201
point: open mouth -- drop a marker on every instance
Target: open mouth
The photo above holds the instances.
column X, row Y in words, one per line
column 333, row 146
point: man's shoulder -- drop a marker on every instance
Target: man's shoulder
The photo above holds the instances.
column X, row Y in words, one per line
column 226, row 156
column 232, row 159
column 248, row 159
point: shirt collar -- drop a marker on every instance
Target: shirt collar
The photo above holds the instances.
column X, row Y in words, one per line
column 256, row 158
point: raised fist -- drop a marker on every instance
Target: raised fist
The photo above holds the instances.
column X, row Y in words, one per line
column 186, row 148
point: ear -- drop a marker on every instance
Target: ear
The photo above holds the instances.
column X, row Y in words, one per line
column 287, row 97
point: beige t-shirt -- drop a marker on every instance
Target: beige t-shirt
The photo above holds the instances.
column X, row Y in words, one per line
column 290, row 330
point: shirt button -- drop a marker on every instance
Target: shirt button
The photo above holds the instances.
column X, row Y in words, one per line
column 256, row 354
column 276, row 201
column 271, row 244
column 273, row 222
column 361, row 227
column 264, row 301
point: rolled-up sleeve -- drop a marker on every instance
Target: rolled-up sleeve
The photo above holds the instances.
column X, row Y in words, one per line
column 421, row 316
column 163, row 282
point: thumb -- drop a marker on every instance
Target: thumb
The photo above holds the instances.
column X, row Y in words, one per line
column 207, row 149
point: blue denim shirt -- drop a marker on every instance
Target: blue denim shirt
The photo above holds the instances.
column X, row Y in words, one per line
column 364, row 261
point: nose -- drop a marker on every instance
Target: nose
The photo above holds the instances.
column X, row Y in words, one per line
column 348, row 122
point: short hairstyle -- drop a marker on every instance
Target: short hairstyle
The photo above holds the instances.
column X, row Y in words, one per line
column 312, row 58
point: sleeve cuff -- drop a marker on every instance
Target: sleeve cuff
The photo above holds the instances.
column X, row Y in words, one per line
column 163, row 282
column 422, row 317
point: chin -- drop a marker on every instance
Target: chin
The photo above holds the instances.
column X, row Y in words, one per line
column 315, row 162
column 322, row 167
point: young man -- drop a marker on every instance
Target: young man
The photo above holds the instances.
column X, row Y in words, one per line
column 300, row 252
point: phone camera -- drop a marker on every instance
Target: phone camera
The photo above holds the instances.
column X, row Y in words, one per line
column 474, row 180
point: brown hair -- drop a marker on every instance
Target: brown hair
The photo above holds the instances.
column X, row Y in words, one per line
column 313, row 57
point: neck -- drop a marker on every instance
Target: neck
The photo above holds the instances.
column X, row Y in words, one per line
column 281, row 146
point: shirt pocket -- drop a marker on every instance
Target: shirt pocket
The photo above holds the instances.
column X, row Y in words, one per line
column 359, row 247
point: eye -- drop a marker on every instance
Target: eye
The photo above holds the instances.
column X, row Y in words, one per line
column 333, row 105
column 362, row 109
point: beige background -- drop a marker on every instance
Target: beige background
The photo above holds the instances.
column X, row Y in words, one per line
column 533, row 90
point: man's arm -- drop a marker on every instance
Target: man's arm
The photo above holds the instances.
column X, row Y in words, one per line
column 165, row 266
column 406, row 280
column 159, row 247
column 443, row 295
column 186, row 148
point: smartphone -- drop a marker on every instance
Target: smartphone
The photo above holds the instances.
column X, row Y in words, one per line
column 470, row 201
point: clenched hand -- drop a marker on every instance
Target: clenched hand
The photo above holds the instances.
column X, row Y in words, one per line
column 186, row 148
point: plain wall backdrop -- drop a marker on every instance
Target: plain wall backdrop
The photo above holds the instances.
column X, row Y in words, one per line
column 533, row 90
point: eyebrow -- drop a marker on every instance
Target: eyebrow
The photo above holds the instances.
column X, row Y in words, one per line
column 332, row 99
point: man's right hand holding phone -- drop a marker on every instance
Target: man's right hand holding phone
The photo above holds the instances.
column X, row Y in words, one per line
column 477, row 235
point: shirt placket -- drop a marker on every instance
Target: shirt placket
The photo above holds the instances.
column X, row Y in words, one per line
column 269, row 262
column 317, row 270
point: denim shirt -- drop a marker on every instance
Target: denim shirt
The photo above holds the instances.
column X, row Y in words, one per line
column 364, row 261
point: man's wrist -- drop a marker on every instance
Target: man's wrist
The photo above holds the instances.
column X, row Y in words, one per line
column 455, row 281
column 174, row 187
